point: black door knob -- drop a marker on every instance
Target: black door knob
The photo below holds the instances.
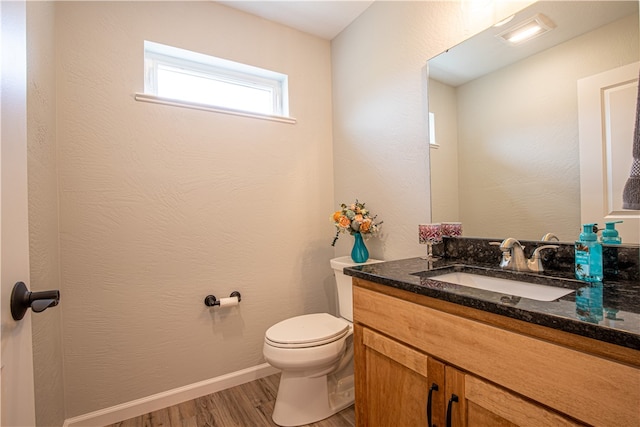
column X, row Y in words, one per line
column 22, row 299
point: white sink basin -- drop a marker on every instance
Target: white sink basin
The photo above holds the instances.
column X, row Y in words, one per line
column 504, row 286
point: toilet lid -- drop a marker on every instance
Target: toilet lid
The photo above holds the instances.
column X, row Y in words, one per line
column 307, row 330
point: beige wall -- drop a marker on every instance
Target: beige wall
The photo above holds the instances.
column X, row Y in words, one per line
column 43, row 211
column 518, row 177
column 160, row 206
column 380, row 121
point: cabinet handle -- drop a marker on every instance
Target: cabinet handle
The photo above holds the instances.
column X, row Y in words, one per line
column 454, row 398
column 434, row 387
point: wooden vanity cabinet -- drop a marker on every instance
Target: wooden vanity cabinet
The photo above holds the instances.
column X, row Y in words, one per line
column 400, row 386
column 388, row 372
column 487, row 405
column 404, row 347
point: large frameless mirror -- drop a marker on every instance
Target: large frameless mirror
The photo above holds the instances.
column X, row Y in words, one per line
column 505, row 118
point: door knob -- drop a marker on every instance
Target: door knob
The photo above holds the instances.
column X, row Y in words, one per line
column 22, row 299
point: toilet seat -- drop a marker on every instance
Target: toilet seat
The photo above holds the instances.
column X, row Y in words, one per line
column 309, row 330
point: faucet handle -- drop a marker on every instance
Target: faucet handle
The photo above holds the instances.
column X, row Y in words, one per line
column 506, row 252
column 510, row 242
column 535, row 263
column 536, row 253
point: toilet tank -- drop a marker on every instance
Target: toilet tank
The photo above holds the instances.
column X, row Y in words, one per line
column 343, row 282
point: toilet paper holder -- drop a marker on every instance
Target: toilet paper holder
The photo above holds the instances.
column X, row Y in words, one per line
column 211, row 300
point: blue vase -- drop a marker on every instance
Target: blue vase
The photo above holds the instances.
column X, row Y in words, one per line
column 359, row 253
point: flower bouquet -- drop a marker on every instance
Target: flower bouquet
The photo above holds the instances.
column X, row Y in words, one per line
column 356, row 220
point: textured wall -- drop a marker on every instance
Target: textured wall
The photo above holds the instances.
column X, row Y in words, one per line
column 43, row 211
column 520, row 180
column 380, row 119
column 160, row 206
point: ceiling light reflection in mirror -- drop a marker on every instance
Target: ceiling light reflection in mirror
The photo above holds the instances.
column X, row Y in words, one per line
column 527, row 30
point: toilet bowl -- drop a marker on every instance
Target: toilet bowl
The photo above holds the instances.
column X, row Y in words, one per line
column 315, row 354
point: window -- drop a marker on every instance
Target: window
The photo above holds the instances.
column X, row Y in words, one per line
column 192, row 79
column 432, row 131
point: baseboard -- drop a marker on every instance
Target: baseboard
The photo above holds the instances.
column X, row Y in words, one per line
column 142, row 406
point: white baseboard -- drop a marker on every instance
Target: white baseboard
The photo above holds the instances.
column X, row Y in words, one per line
column 142, row 406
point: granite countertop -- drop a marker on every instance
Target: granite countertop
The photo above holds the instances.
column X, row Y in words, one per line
column 608, row 311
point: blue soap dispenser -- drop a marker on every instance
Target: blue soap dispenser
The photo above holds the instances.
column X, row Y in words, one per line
column 610, row 234
column 611, row 240
column 588, row 255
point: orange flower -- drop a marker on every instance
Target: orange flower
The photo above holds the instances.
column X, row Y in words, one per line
column 354, row 219
column 344, row 221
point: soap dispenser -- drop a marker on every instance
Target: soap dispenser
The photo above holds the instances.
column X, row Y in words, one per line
column 611, row 240
column 588, row 255
column 610, row 234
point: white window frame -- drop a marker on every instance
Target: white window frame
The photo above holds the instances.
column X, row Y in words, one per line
column 157, row 55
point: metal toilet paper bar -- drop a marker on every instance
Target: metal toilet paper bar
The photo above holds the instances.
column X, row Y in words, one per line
column 234, row 299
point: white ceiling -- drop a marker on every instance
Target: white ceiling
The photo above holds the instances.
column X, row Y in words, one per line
column 323, row 18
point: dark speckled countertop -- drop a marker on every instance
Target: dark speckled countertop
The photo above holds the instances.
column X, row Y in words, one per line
column 608, row 311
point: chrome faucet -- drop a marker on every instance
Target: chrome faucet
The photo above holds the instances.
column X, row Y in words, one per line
column 535, row 263
column 549, row 237
column 513, row 257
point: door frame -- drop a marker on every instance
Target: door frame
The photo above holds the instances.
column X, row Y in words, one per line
column 17, row 401
column 596, row 149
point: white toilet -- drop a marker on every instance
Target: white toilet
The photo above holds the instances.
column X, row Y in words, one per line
column 315, row 354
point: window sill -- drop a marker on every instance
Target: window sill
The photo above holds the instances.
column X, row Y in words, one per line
column 145, row 97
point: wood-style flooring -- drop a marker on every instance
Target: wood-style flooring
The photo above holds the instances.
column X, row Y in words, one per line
column 246, row 405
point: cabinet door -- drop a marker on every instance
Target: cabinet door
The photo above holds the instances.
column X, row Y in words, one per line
column 488, row 405
column 456, row 404
column 393, row 383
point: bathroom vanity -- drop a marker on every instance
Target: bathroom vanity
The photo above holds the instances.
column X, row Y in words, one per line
column 462, row 356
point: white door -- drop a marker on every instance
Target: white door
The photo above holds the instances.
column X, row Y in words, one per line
column 16, row 375
column 607, row 108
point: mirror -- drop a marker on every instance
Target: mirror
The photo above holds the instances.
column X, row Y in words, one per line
column 506, row 155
